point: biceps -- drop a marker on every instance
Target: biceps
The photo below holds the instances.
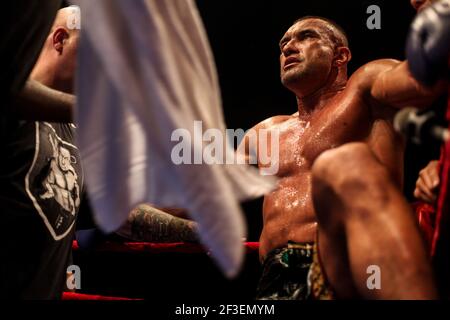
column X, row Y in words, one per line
column 397, row 88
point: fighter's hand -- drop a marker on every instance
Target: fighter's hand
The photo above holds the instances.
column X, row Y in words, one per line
column 428, row 44
column 428, row 182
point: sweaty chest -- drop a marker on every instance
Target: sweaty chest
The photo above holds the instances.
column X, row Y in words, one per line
column 302, row 141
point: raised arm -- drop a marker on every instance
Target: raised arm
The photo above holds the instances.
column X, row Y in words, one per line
column 424, row 76
column 395, row 86
column 40, row 103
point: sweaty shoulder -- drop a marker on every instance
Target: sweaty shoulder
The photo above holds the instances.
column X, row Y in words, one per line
column 245, row 148
column 364, row 78
column 272, row 122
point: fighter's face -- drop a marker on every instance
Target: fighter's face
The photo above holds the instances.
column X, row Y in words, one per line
column 419, row 5
column 64, row 159
column 306, row 51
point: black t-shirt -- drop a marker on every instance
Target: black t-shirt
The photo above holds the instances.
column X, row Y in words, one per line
column 41, row 183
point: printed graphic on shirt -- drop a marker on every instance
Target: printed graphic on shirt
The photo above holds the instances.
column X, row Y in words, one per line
column 54, row 180
column 62, row 181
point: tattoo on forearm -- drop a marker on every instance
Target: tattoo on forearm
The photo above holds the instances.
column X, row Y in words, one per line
column 146, row 223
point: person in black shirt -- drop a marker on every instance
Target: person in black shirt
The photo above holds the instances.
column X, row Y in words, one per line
column 41, row 182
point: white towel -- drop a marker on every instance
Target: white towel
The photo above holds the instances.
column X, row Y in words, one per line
column 145, row 70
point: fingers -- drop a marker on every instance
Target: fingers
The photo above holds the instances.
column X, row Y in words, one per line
column 427, row 183
column 424, row 194
column 429, row 179
column 432, row 171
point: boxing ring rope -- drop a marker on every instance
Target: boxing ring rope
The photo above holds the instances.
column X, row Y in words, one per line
column 82, row 296
column 142, row 248
column 149, row 247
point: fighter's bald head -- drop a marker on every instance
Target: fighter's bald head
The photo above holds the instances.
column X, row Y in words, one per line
column 57, row 61
column 335, row 32
column 68, row 17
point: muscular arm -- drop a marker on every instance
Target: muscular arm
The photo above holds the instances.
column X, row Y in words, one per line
column 41, row 103
column 393, row 85
column 146, row 223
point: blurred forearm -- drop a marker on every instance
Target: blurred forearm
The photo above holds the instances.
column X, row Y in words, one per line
column 149, row 224
column 38, row 102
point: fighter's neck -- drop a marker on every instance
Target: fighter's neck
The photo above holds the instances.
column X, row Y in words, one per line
column 315, row 101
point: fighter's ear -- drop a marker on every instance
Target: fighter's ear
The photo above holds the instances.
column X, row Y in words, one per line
column 60, row 36
column 342, row 56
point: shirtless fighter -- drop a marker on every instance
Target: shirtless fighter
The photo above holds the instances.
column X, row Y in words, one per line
column 364, row 221
column 332, row 110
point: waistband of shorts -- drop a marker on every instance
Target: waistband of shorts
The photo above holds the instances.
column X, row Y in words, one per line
column 302, row 248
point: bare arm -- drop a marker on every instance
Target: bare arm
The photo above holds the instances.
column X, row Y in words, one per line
column 394, row 85
column 176, row 212
column 146, row 223
column 41, row 103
